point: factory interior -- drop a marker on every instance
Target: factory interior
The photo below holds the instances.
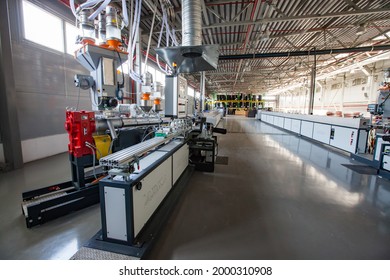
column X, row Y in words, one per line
column 194, row 130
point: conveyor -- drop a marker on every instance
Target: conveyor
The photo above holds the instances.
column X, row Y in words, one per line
column 125, row 156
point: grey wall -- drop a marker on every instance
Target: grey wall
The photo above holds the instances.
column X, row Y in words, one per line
column 43, row 81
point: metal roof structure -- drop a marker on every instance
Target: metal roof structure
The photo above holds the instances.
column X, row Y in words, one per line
column 276, row 26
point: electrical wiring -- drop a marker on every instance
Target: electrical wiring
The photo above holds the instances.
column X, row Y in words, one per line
column 93, row 146
column 111, row 145
column 150, row 38
column 153, row 131
column 146, row 129
column 93, row 159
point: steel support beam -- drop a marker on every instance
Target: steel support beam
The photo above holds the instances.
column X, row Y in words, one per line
column 302, row 17
column 295, row 18
column 8, row 106
column 297, row 33
column 202, row 90
column 305, row 53
column 206, row 19
column 313, row 84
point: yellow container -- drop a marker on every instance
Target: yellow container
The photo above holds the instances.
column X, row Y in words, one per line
column 102, row 143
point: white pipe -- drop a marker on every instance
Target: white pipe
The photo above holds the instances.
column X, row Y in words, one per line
column 125, row 21
column 101, row 8
column 89, row 3
column 72, row 7
column 150, row 39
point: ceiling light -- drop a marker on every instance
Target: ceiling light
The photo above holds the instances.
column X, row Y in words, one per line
column 361, row 29
column 341, row 55
column 382, row 37
column 265, row 35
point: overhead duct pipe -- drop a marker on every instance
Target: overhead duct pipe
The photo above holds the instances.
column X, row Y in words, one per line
column 191, row 56
column 304, row 53
column 191, row 22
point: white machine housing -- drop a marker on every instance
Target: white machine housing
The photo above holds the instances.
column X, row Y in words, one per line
column 127, row 206
column 175, row 96
column 347, row 134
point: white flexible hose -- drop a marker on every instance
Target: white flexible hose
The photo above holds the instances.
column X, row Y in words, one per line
column 73, row 8
column 89, row 3
column 131, row 49
column 125, row 21
column 150, row 39
column 138, row 18
column 101, row 8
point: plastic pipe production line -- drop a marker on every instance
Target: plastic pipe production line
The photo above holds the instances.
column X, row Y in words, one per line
column 129, row 157
column 367, row 140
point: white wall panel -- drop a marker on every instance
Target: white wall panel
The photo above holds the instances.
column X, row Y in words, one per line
column 41, row 147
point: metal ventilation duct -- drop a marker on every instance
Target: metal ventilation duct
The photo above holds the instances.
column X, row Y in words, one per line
column 191, row 23
column 191, row 56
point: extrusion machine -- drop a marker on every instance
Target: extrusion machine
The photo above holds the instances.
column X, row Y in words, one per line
column 126, row 155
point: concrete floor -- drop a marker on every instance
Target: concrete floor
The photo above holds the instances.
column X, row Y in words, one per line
column 280, row 197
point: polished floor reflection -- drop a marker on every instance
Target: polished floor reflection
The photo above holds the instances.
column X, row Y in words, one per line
column 280, row 197
column 58, row 239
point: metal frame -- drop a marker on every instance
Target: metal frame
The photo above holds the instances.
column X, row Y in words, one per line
column 78, row 166
column 139, row 245
column 80, row 193
column 51, row 209
column 205, row 166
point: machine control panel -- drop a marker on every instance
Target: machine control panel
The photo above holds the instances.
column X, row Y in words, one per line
column 372, row 108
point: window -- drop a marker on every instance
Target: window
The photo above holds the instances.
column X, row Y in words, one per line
column 71, row 34
column 191, row 91
column 124, row 67
column 152, row 71
column 160, row 77
column 42, row 28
